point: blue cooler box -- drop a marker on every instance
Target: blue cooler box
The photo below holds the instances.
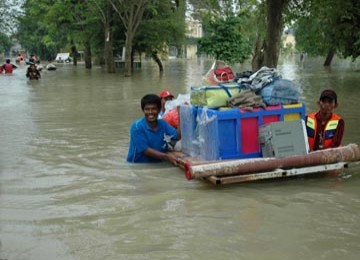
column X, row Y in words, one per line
column 229, row 134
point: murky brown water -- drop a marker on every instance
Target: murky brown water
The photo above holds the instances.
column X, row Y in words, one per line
column 67, row 192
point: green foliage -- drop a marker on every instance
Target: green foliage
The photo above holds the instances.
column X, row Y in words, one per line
column 163, row 25
column 327, row 25
column 33, row 32
column 9, row 10
column 310, row 37
column 349, row 29
column 251, row 26
column 48, row 26
column 221, row 8
column 225, row 40
column 5, row 43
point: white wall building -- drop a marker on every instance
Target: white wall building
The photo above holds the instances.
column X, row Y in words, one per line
column 193, row 31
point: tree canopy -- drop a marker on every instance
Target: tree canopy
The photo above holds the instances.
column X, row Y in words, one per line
column 9, row 10
column 5, row 43
column 329, row 26
column 234, row 30
column 225, row 40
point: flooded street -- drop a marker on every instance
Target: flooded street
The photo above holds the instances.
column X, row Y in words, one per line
column 66, row 191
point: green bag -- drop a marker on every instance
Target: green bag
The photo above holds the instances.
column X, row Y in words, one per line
column 213, row 96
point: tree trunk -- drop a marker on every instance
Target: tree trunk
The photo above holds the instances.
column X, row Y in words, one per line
column 128, row 49
column 156, row 58
column 274, row 9
column 108, row 50
column 258, row 56
column 329, row 58
column 74, row 54
column 131, row 14
column 87, row 53
column 132, row 59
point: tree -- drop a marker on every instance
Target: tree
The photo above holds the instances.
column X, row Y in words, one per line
column 274, row 11
column 72, row 19
column 227, row 28
column 329, row 26
column 49, row 25
column 9, row 10
column 131, row 14
column 5, row 43
column 33, row 33
column 163, row 25
column 262, row 24
column 225, row 40
column 103, row 10
column 349, row 28
column 269, row 17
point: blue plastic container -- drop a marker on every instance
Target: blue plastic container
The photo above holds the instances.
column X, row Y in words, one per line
column 189, row 141
column 232, row 133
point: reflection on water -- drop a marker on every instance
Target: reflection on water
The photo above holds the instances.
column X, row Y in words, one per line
column 67, row 192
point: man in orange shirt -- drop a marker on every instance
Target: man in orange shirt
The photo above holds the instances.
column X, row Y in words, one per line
column 325, row 129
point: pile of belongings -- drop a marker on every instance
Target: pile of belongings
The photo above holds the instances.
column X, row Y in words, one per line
column 245, row 90
column 246, row 99
column 268, row 83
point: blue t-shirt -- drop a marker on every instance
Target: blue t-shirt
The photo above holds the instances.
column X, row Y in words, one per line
column 143, row 137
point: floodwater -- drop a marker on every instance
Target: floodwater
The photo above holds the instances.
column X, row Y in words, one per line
column 67, row 192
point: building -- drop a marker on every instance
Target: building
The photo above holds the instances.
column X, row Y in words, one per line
column 194, row 32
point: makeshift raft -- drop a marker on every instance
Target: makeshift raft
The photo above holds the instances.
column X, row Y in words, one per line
column 245, row 170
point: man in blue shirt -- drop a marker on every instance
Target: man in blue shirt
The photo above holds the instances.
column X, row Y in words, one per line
column 150, row 137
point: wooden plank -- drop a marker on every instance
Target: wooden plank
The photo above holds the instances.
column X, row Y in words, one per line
column 279, row 173
column 349, row 153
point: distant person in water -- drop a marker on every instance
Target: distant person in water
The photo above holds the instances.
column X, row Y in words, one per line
column 19, row 58
column 324, row 128
column 32, row 72
column 150, row 137
column 33, row 58
column 50, row 66
column 8, row 67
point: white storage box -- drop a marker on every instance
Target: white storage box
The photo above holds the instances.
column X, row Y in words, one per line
column 283, row 139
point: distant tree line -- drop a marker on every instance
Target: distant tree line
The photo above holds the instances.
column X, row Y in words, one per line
column 101, row 28
column 234, row 30
column 8, row 15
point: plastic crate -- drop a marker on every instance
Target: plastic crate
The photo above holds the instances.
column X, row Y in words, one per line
column 291, row 111
column 234, row 133
column 189, row 140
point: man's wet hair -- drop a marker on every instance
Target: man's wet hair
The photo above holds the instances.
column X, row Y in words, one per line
column 151, row 99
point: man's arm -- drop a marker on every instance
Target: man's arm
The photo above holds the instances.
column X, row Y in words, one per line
column 161, row 156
